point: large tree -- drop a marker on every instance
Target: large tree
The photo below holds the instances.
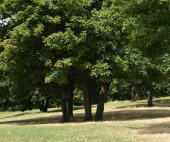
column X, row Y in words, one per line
column 93, row 44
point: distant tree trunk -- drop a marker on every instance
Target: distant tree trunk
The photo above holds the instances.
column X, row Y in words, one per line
column 70, row 97
column 136, row 95
column 43, row 107
column 46, row 104
column 28, row 104
column 86, row 95
column 63, row 103
column 4, row 105
column 149, row 93
column 133, row 94
column 101, row 101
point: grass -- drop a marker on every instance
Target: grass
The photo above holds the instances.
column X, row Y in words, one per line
column 124, row 121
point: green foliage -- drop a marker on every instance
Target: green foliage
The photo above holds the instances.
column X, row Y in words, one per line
column 45, row 41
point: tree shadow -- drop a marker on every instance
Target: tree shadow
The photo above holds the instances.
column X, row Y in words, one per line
column 32, row 121
column 59, row 109
column 162, row 101
column 156, row 103
column 140, row 104
column 125, row 115
column 162, row 128
column 50, row 111
column 122, row 115
column 22, row 113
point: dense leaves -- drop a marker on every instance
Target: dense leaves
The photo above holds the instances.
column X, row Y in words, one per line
column 52, row 48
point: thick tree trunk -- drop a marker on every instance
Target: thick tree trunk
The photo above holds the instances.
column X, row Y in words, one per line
column 149, row 93
column 70, row 97
column 63, row 103
column 86, row 95
column 101, row 101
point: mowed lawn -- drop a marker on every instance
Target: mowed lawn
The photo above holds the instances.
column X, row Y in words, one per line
column 124, row 121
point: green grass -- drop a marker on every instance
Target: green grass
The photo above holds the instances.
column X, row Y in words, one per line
column 124, row 121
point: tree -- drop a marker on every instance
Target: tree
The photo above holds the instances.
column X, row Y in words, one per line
column 93, row 43
column 149, row 37
column 25, row 58
column 75, row 41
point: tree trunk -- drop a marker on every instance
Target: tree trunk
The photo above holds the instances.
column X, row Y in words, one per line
column 136, row 95
column 86, row 95
column 28, row 104
column 43, row 107
column 133, row 93
column 46, row 104
column 149, row 93
column 40, row 106
column 70, row 97
column 63, row 103
column 101, row 101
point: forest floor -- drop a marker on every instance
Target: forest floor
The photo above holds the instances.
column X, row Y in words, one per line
column 124, row 121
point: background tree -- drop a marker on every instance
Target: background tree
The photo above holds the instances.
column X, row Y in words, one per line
column 25, row 57
column 148, row 35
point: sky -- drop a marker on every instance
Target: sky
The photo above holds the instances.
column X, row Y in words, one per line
column 4, row 21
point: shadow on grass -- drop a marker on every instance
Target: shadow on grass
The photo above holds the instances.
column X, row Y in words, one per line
column 162, row 128
column 31, row 121
column 162, row 100
column 50, row 111
column 156, row 103
column 59, row 109
column 122, row 115
column 125, row 115
column 23, row 113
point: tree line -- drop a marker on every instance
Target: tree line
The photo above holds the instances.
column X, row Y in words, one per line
column 50, row 47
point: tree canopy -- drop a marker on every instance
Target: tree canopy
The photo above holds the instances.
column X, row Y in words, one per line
column 54, row 46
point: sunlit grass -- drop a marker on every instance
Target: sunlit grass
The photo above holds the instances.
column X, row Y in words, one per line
column 123, row 121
